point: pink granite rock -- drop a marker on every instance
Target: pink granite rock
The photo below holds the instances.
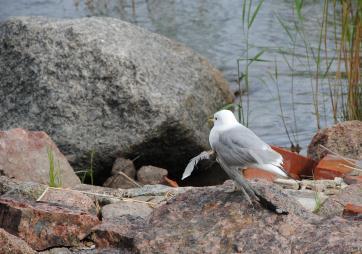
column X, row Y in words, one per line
column 12, row 244
column 343, row 138
column 70, row 199
column 24, row 156
column 43, row 225
column 117, row 233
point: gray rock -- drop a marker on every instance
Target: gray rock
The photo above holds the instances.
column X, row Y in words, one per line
column 136, row 209
column 335, row 204
column 343, row 138
column 104, row 84
column 125, row 166
column 155, row 193
column 310, row 200
column 20, row 190
column 151, row 175
column 154, row 190
column 123, row 172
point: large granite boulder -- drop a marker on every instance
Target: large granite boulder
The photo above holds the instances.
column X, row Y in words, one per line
column 210, row 220
column 106, row 85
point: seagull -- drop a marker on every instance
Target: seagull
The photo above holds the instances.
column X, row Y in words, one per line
column 237, row 147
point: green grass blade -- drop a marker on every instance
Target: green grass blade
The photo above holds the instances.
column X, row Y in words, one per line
column 91, row 167
column 243, row 13
column 286, row 28
column 256, row 58
column 255, row 13
column 55, row 179
column 328, row 68
column 249, row 11
column 298, row 8
column 51, row 168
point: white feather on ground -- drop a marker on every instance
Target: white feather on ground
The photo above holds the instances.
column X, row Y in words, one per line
column 193, row 162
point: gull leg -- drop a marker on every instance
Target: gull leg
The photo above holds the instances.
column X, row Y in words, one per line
column 237, row 187
column 246, row 195
column 250, row 189
column 240, row 182
column 250, row 193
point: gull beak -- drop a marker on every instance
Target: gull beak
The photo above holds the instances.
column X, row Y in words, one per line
column 210, row 121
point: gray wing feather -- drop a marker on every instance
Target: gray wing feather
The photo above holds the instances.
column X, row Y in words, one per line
column 239, row 146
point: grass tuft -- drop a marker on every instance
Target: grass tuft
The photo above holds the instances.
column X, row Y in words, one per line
column 55, row 178
column 88, row 174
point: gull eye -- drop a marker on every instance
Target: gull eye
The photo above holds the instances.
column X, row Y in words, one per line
column 215, row 118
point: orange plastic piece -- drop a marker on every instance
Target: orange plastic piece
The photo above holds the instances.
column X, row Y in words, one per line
column 352, row 210
column 170, row 182
column 255, row 173
column 330, row 167
column 296, row 165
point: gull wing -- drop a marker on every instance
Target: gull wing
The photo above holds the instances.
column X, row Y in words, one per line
column 239, row 146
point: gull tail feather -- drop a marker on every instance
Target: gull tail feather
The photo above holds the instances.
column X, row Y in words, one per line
column 273, row 169
column 269, row 205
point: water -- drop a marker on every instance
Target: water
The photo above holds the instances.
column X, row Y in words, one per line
column 213, row 28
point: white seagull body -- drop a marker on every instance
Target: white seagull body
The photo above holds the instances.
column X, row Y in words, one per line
column 239, row 147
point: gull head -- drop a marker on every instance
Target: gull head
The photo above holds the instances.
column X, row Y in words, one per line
column 224, row 118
